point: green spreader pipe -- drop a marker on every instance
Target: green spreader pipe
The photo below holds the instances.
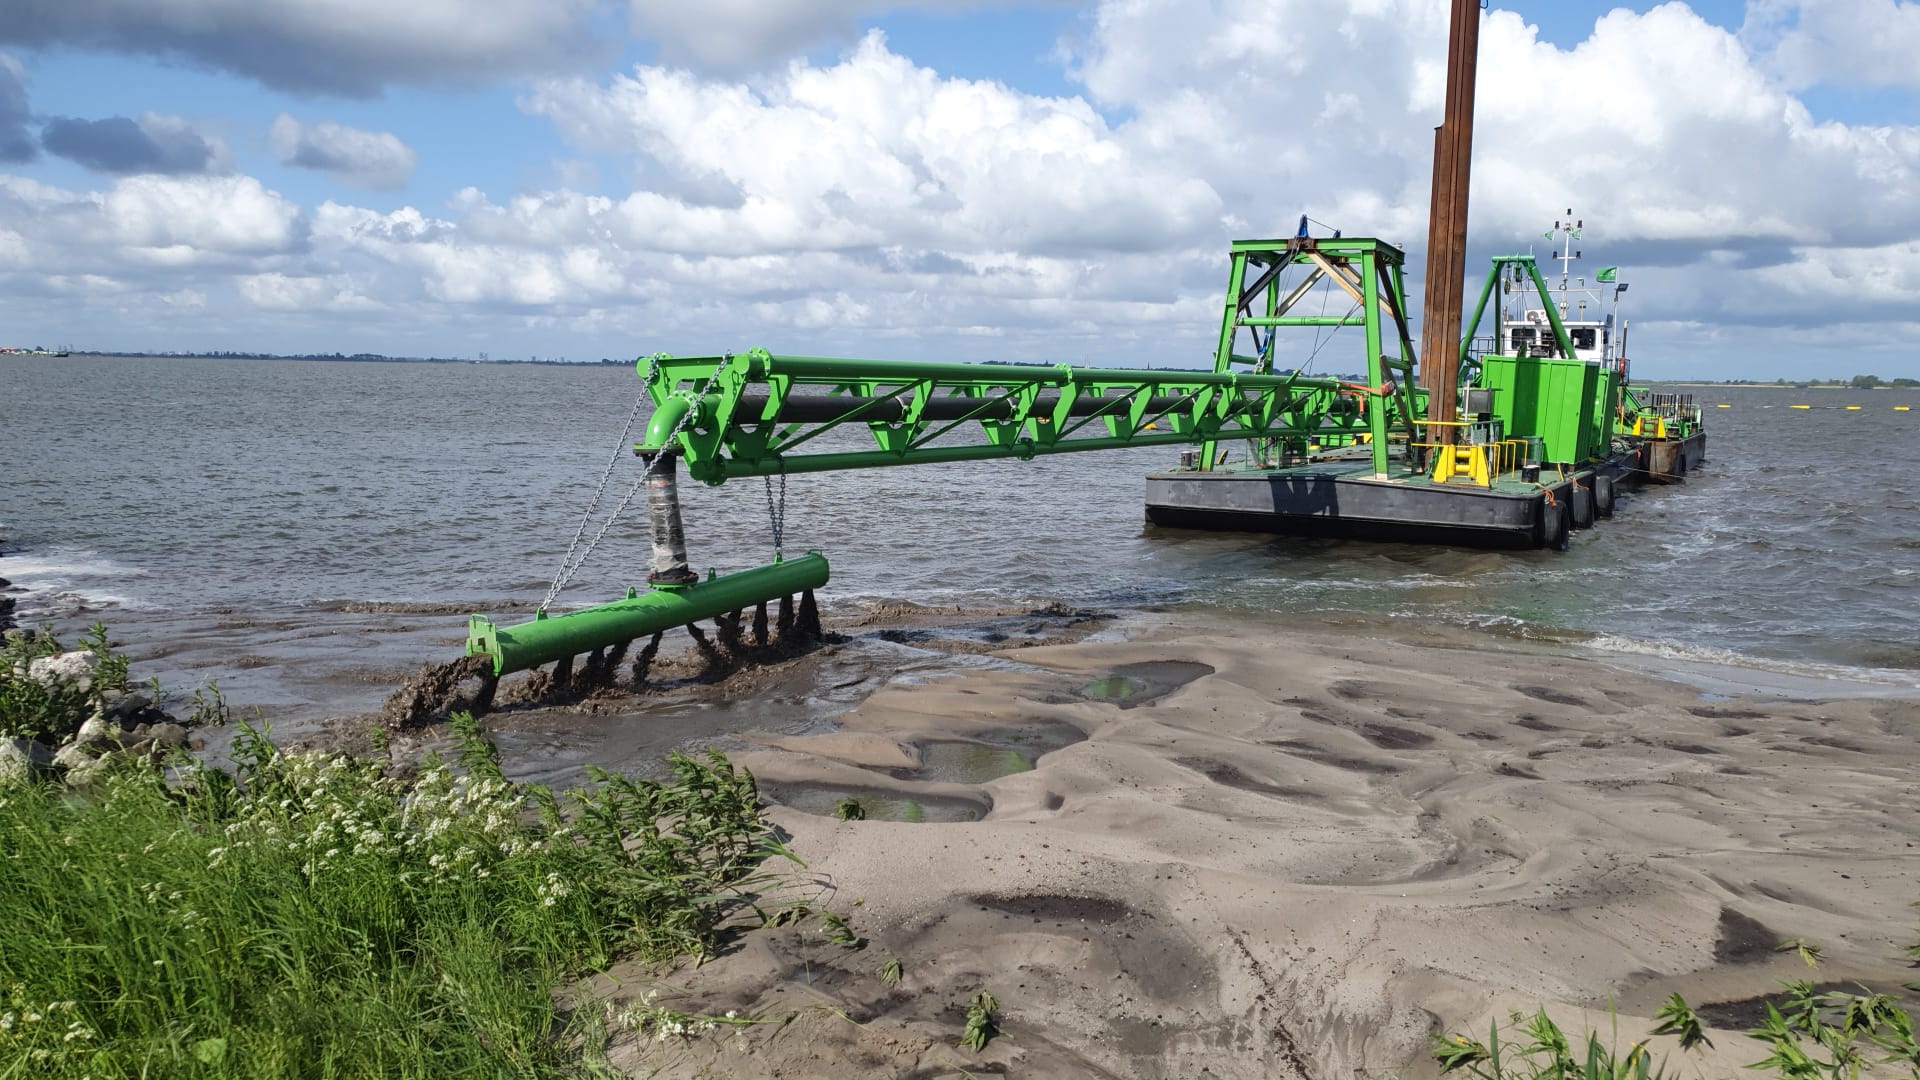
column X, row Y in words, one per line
column 641, row 614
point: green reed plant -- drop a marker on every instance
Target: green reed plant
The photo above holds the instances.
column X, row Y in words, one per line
column 1535, row 1048
column 315, row 915
column 1809, row 1034
column 983, row 1021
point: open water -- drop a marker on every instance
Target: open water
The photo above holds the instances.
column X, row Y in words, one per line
column 166, row 495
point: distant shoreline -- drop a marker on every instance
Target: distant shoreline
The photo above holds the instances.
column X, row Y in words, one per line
column 376, row 358
column 335, row 358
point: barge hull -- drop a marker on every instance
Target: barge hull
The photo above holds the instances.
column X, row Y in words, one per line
column 1344, row 500
column 1336, row 503
column 1671, row 461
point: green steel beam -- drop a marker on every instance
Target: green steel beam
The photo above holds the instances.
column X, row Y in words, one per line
column 1302, row 320
column 1376, row 371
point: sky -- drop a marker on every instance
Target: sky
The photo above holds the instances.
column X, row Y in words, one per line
column 931, row 179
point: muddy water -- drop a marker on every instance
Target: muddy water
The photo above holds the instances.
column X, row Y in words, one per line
column 1132, row 685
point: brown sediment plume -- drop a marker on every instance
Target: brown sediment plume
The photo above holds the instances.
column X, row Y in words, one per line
column 437, row 690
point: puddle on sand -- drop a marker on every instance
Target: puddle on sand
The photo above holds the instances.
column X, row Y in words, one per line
column 988, row 755
column 967, row 762
column 1137, row 684
column 821, row 799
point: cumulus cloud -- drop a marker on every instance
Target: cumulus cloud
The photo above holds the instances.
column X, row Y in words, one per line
column 1849, row 42
column 181, row 219
column 274, row 291
column 736, row 34
column 366, row 159
column 350, row 47
column 16, row 142
column 1688, row 144
column 151, row 144
column 875, row 150
column 871, row 204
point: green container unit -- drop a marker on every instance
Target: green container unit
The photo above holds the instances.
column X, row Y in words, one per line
column 1606, row 399
column 1551, row 398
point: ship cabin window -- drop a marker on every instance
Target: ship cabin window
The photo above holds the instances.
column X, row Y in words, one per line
column 1522, row 339
column 1583, row 338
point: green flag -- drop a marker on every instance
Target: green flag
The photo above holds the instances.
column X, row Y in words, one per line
column 1548, row 234
column 1607, row 273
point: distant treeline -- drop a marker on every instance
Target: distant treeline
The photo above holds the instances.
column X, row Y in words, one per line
column 1858, row 382
column 364, row 358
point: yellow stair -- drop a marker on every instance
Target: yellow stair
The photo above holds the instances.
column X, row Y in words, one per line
column 1467, row 463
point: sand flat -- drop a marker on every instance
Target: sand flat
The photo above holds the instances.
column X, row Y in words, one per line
column 1310, row 854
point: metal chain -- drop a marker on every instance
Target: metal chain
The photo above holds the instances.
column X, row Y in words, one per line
column 569, row 565
column 777, row 517
column 560, row 575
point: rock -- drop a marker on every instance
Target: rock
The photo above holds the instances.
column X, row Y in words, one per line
column 85, row 773
column 167, row 736
column 74, row 755
column 22, row 760
column 127, row 707
column 98, row 728
column 75, row 668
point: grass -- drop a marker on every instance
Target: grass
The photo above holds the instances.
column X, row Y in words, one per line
column 313, row 915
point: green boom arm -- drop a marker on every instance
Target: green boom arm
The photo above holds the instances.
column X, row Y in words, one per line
column 756, row 414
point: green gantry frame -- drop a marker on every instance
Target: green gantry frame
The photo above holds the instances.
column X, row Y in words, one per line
column 1370, row 272
column 758, row 413
column 1495, row 275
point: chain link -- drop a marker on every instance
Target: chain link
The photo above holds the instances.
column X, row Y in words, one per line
column 569, row 565
column 777, row 517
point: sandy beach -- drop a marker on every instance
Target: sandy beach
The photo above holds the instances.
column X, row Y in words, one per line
column 1243, row 852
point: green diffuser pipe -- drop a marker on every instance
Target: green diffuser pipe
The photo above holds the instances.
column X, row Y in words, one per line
column 555, row 637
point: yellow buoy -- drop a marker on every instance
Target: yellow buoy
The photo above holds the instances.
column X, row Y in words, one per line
column 1799, row 406
column 1853, row 408
column 1902, row 408
column 1723, row 405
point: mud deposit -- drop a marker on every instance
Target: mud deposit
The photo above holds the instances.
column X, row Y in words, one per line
column 438, row 689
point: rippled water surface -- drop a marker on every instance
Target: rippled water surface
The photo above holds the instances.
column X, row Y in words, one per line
column 162, row 490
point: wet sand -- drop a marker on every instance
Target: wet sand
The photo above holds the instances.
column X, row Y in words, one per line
column 1177, row 847
column 1300, row 854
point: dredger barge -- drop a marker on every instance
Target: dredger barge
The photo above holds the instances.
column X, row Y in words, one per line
column 1513, row 439
column 1549, row 433
column 1549, row 429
